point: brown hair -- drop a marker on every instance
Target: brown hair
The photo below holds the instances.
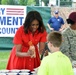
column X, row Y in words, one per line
column 55, row 38
column 31, row 16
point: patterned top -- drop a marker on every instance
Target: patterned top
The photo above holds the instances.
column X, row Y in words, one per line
column 69, row 43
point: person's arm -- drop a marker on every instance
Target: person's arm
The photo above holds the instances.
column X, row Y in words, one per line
column 49, row 27
column 62, row 27
column 42, row 42
column 65, row 47
column 48, row 24
column 17, row 41
column 22, row 54
column 41, row 47
column 45, row 51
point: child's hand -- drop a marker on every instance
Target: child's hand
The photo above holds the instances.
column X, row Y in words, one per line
column 46, row 53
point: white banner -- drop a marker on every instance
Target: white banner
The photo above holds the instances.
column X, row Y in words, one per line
column 11, row 18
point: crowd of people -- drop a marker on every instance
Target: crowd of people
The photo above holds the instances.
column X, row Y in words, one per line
column 30, row 42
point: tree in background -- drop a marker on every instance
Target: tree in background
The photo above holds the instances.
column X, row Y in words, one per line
column 37, row 2
column 12, row 2
column 0, row 2
column 27, row 2
column 9, row 2
column 23, row 2
column 4, row 2
column 18, row 2
column 31, row 2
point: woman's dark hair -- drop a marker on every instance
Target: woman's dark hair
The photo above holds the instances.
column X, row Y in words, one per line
column 69, row 21
column 32, row 15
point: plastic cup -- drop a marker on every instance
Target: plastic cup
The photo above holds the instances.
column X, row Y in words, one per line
column 2, row 73
column 11, row 73
column 23, row 73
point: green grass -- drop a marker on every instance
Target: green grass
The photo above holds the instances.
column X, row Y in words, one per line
column 4, row 55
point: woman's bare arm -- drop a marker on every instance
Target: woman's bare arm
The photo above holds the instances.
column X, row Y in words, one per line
column 21, row 54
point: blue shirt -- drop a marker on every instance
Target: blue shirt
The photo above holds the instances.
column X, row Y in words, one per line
column 56, row 23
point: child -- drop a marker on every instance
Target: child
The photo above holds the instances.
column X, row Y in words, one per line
column 56, row 63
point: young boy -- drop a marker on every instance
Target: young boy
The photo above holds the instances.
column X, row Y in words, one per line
column 56, row 63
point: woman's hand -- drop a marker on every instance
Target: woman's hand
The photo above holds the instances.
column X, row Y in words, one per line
column 25, row 54
column 31, row 51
